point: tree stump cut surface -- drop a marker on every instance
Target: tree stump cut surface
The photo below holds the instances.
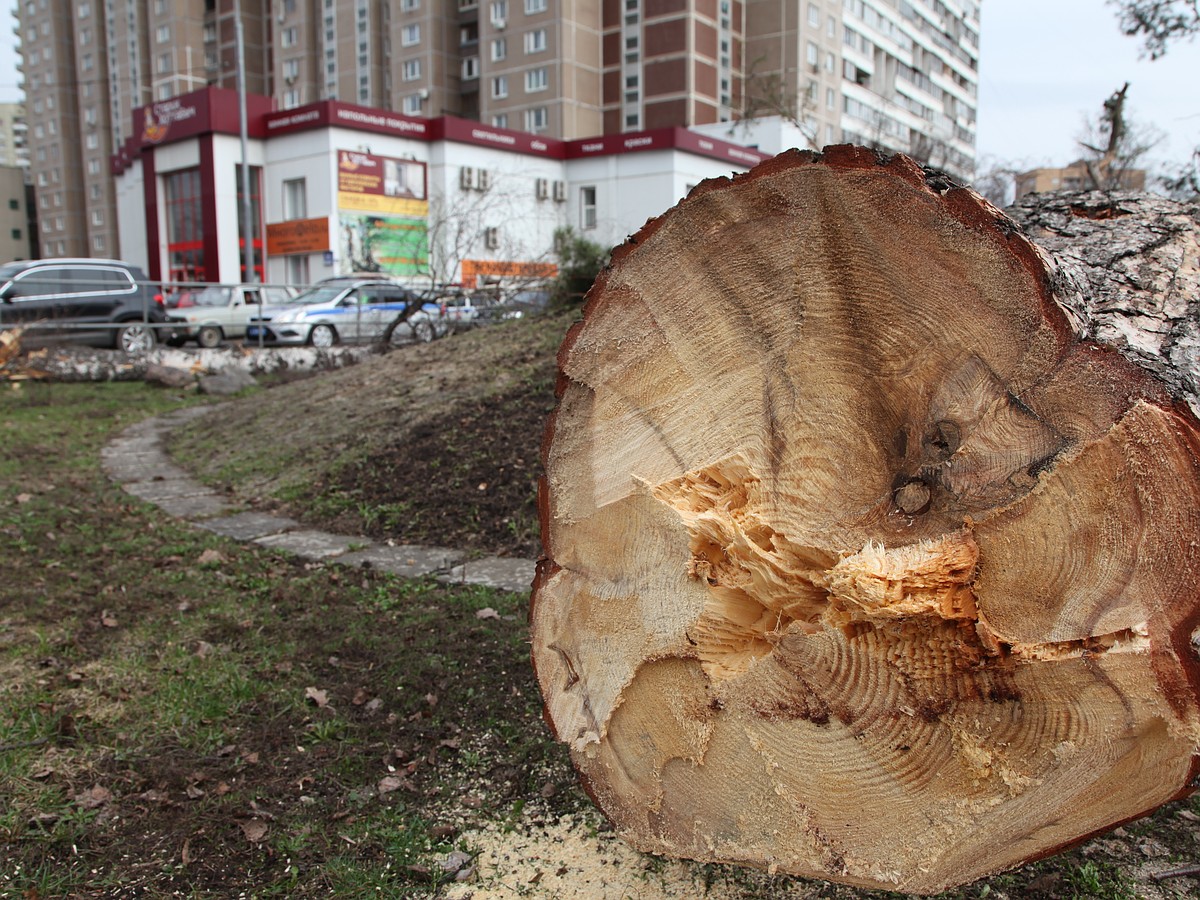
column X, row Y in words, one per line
column 859, row 563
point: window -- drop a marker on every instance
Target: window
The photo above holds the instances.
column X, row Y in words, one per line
column 295, row 199
column 210, row 33
column 164, row 63
column 288, row 37
column 14, row 204
column 537, row 119
column 500, row 87
column 297, row 269
column 535, row 41
column 468, row 34
column 163, row 34
column 499, row 49
column 587, row 207
column 291, row 98
column 16, row 234
column 410, row 5
column 500, row 120
column 536, row 80
column 499, row 12
column 534, row 6
column 830, row 101
column 291, row 69
column 97, row 217
column 412, row 105
column 91, row 141
column 810, row 54
column 814, row 15
column 411, row 34
column 412, row 70
column 470, row 68
column 184, row 214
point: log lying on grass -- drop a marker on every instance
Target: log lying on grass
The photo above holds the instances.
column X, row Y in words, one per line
column 866, row 557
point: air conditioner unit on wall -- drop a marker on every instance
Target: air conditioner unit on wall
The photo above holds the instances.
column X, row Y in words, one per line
column 466, row 178
column 483, row 180
column 491, row 238
column 543, row 189
column 560, row 192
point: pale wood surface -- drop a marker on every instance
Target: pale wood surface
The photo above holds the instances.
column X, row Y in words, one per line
column 860, row 562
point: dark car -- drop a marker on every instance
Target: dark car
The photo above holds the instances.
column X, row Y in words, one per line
column 103, row 302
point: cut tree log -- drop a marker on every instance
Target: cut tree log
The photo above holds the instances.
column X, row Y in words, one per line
column 872, row 533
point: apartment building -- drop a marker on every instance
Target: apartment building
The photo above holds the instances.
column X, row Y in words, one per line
column 14, row 143
column 898, row 74
column 1076, row 177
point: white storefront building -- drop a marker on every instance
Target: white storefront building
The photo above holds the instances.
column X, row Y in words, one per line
column 337, row 188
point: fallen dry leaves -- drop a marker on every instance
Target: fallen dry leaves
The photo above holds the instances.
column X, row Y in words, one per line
column 255, row 830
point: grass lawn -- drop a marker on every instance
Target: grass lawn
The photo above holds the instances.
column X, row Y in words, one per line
column 182, row 715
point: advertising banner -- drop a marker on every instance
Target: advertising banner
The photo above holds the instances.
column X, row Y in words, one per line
column 383, row 214
column 298, row 236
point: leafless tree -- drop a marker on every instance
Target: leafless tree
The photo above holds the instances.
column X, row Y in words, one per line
column 996, row 179
column 1158, row 22
column 767, row 94
column 1114, row 144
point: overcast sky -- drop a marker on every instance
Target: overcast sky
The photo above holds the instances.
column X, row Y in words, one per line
column 1043, row 65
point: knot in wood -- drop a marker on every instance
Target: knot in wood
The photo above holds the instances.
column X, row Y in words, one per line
column 912, row 498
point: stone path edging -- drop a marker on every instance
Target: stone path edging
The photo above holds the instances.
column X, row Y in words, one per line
column 137, row 461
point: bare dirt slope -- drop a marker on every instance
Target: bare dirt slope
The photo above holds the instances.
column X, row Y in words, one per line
column 439, row 444
column 431, row 444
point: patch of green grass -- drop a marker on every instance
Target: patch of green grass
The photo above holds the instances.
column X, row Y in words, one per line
column 1099, row 880
column 177, row 683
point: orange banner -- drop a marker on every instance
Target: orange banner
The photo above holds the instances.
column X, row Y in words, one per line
column 473, row 269
column 298, row 236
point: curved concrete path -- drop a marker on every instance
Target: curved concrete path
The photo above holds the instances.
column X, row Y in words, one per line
column 139, row 463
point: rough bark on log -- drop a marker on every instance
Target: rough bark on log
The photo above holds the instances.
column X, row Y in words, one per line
column 867, row 556
column 1128, row 275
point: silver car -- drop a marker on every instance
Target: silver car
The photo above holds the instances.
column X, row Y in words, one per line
column 222, row 311
column 349, row 310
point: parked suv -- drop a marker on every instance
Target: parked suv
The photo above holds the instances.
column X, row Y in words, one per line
column 104, row 302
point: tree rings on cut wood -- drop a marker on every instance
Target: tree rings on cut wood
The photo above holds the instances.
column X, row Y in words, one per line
column 859, row 562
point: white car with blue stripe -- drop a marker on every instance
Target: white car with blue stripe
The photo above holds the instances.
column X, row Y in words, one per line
column 349, row 310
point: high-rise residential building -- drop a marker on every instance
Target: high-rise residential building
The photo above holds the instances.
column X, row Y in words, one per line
column 898, row 74
column 86, row 65
column 14, row 144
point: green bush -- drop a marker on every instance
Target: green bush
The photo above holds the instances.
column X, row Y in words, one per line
column 579, row 262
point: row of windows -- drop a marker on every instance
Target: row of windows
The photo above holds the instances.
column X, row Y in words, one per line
column 532, row 7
